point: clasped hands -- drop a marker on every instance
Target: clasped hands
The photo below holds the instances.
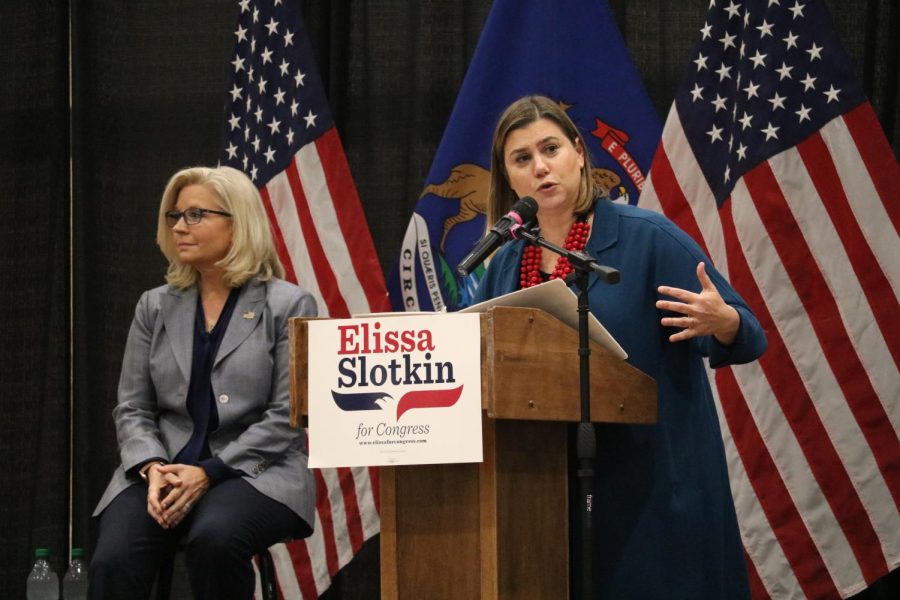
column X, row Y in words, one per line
column 172, row 490
column 702, row 314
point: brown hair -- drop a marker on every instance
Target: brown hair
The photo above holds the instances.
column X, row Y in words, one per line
column 521, row 113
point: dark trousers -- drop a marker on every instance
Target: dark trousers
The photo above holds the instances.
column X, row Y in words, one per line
column 231, row 523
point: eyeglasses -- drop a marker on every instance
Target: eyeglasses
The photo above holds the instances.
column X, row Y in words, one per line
column 192, row 215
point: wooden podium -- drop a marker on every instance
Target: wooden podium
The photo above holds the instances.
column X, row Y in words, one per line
column 498, row 529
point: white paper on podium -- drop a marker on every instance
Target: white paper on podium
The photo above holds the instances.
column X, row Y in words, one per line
column 554, row 298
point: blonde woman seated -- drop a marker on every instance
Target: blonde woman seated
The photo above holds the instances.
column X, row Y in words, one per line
column 208, row 456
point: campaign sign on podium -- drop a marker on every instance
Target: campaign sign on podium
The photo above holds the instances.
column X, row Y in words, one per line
column 394, row 389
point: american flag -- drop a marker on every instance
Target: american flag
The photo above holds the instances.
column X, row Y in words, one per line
column 278, row 130
column 773, row 160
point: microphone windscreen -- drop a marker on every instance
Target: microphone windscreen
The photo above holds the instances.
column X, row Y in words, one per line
column 526, row 208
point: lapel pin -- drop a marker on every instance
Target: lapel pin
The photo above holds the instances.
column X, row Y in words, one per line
column 249, row 315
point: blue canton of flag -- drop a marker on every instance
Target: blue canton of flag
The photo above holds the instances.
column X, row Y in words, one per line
column 569, row 51
column 275, row 107
column 759, row 84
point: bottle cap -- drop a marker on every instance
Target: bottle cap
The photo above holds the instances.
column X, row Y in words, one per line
column 42, row 553
column 77, row 552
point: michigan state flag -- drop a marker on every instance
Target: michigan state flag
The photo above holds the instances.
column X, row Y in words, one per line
column 568, row 50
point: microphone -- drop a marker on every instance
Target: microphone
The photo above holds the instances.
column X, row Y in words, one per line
column 521, row 213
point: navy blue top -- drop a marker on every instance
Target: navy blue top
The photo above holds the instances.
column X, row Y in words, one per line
column 664, row 515
column 201, row 402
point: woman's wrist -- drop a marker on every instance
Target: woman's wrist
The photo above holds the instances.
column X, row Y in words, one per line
column 145, row 470
column 728, row 333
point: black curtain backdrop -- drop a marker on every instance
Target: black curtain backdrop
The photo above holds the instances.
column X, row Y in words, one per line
column 34, row 269
column 148, row 83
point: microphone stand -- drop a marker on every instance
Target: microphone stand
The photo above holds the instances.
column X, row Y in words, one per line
column 586, row 441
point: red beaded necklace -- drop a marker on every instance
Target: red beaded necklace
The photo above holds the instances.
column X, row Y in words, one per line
column 530, row 274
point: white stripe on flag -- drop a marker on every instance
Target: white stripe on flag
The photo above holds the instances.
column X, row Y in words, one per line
column 315, row 545
column 648, row 198
column 822, row 238
column 371, row 524
column 338, row 515
column 321, row 207
column 696, row 190
column 285, row 572
column 285, row 208
column 759, row 539
column 779, row 294
column 863, row 198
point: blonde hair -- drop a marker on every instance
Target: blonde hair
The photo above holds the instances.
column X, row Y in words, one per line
column 252, row 253
column 519, row 114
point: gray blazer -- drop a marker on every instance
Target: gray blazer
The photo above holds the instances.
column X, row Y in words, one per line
column 249, row 381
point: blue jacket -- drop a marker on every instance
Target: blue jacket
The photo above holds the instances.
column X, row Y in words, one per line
column 664, row 516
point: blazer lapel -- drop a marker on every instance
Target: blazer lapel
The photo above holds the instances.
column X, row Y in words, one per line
column 246, row 316
column 604, row 233
column 509, row 280
column 178, row 311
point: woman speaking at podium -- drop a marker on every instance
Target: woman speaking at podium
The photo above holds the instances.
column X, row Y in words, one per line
column 664, row 518
column 208, row 456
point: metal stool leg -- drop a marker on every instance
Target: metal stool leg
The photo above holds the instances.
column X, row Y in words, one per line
column 267, row 575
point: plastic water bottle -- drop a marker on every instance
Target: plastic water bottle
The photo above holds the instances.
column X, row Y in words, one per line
column 42, row 584
column 75, row 581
